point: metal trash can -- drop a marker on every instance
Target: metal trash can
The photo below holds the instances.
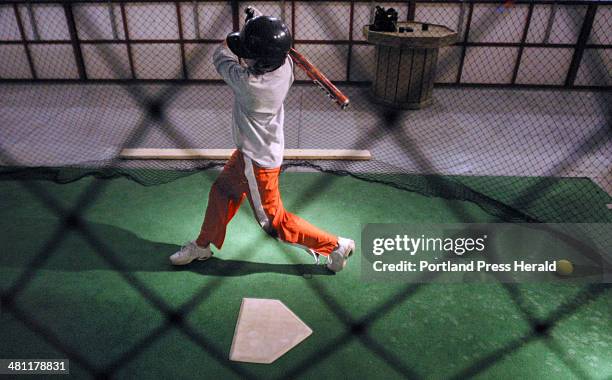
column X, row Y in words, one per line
column 406, row 62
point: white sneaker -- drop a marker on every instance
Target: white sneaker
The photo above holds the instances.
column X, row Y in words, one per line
column 189, row 252
column 336, row 261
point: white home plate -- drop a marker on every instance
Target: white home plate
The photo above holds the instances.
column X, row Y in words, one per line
column 265, row 331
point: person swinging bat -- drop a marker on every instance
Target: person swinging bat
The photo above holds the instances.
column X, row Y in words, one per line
column 260, row 87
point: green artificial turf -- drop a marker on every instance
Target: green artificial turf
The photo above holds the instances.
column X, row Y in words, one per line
column 428, row 331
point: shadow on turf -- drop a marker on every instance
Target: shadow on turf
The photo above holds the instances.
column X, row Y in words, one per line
column 220, row 267
column 136, row 254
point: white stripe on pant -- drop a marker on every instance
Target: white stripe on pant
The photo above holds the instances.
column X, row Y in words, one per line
column 254, row 190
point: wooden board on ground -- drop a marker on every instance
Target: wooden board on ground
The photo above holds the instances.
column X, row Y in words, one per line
column 265, row 331
column 224, row 154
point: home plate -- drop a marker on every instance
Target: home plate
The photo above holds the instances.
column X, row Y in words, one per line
column 265, row 331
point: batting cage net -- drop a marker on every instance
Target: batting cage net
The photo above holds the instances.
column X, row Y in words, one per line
column 519, row 125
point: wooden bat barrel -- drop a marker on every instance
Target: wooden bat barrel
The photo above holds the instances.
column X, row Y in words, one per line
column 406, row 63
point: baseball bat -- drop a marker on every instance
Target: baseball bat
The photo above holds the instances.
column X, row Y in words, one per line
column 319, row 79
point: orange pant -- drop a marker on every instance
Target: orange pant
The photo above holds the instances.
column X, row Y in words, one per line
column 240, row 178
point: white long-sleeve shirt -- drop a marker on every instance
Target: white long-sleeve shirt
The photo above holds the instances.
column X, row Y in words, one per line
column 258, row 114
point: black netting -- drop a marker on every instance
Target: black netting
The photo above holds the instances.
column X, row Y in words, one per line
column 519, row 122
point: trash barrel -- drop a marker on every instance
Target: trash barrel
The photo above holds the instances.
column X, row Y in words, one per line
column 406, row 62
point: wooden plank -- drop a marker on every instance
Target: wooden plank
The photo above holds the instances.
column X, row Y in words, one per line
column 403, row 81
column 382, row 57
column 429, row 73
column 435, row 36
column 224, row 154
column 414, row 89
column 392, row 74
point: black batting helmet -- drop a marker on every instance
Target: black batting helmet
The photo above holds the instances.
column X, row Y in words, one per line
column 265, row 39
